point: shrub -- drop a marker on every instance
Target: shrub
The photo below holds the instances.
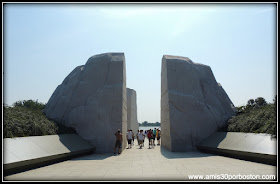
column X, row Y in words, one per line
column 35, row 105
column 257, row 117
column 26, row 118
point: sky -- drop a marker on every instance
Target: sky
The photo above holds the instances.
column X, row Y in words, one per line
column 43, row 43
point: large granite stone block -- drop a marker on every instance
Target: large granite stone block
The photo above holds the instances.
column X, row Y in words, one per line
column 132, row 122
column 193, row 104
column 92, row 99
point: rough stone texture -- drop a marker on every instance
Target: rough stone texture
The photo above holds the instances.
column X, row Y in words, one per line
column 132, row 122
column 92, row 99
column 193, row 104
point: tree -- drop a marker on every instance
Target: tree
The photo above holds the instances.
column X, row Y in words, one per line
column 275, row 100
column 31, row 104
column 157, row 124
column 145, row 123
column 251, row 102
column 260, row 102
column 240, row 109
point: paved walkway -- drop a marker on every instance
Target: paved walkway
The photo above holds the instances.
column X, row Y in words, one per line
column 145, row 164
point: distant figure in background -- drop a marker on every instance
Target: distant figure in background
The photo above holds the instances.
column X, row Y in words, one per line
column 144, row 136
column 137, row 137
column 141, row 138
column 118, row 144
column 158, row 136
column 145, row 132
column 150, row 137
column 132, row 137
column 129, row 138
column 154, row 136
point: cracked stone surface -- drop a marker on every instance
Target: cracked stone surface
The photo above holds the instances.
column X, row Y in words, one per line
column 193, row 104
column 132, row 122
column 92, row 99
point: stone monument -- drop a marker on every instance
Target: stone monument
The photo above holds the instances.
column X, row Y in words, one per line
column 92, row 99
column 132, row 122
column 193, row 104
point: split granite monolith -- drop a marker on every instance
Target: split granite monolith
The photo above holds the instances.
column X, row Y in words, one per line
column 132, row 122
column 193, row 104
column 92, row 99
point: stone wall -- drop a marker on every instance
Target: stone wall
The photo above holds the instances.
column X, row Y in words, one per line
column 92, row 99
column 23, row 153
column 193, row 104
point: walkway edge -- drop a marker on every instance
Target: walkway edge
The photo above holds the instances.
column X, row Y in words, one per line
column 249, row 156
column 38, row 151
column 254, row 147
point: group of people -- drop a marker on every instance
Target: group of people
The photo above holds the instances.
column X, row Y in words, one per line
column 152, row 135
column 140, row 136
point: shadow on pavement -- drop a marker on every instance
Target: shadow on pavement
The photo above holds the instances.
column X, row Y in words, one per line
column 94, row 156
column 192, row 154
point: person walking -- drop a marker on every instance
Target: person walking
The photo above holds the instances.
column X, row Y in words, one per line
column 129, row 138
column 158, row 136
column 144, row 136
column 150, row 137
column 141, row 138
column 137, row 136
column 154, row 136
column 132, row 141
column 118, row 144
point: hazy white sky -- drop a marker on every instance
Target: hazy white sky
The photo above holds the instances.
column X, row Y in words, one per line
column 43, row 43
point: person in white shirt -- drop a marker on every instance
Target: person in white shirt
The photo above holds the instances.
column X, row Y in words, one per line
column 141, row 138
column 129, row 138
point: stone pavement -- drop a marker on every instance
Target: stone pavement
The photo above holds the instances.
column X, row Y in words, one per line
column 157, row 164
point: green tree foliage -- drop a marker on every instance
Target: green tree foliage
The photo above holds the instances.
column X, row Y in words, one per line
column 35, row 105
column 157, row 124
column 260, row 102
column 145, row 123
column 256, row 117
column 26, row 118
column 251, row 102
